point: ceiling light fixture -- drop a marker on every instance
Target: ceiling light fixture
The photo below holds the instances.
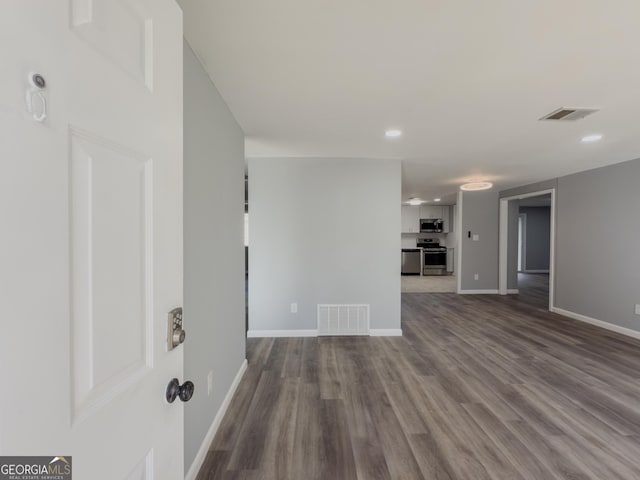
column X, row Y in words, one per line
column 591, row 138
column 393, row 133
column 437, row 199
column 474, row 186
column 415, row 201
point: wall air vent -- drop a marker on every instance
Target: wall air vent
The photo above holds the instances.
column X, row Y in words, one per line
column 349, row 319
column 567, row 114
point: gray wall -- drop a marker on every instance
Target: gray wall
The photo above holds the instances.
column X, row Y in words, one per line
column 480, row 215
column 532, row 187
column 214, row 298
column 598, row 260
column 323, row 231
column 537, row 237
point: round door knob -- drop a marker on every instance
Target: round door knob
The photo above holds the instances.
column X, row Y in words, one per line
column 184, row 391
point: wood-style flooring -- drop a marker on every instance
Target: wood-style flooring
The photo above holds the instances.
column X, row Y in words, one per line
column 479, row 387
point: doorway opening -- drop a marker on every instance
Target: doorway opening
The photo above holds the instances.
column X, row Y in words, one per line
column 527, row 246
column 428, row 257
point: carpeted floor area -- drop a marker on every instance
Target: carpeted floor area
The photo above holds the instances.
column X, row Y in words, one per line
column 428, row 284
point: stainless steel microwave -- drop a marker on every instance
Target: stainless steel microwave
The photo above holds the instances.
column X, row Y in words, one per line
column 431, row 225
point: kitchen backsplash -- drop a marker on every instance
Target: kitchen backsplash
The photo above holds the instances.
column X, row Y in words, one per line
column 409, row 240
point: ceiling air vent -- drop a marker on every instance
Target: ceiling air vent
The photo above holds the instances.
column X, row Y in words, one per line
column 567, row 114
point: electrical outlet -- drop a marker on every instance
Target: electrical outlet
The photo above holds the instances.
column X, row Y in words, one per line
column 476, row 277
column 637, row 308
column 294, row 308
column 210, row 382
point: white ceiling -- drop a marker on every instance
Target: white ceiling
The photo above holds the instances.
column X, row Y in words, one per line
column 465, row 80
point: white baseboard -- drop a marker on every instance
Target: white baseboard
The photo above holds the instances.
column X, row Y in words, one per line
column 512, row 291
column 204, row 447
column 281, row 333
column 478, row 292
column 385, row 332
column 374, row 332
column 598, row 323
column 535, row 271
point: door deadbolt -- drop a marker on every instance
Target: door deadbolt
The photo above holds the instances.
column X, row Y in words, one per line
column 175, row 334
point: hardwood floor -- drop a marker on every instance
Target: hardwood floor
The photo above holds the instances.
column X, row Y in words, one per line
column 534, row 289
column 479, row 387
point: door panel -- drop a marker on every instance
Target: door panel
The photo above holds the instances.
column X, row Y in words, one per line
column 130, row 45
column 142, row 471
column 92, row 197
column 111, row 276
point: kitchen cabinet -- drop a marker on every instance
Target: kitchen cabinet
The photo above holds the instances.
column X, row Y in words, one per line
column 410, row 218
column 411, row 215
column 447, row 218
column 450, row 260
column 430, row 211
column 438, row 211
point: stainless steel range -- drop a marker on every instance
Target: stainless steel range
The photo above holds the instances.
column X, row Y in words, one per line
column 434, row 257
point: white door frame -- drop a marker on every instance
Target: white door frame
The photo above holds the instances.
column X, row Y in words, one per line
column 504, row 232
column 522, row 245
column 458, row 229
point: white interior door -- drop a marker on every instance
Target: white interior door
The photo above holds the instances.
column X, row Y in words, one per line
column 91, row 243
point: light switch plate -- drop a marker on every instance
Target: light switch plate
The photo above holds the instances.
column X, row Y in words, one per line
column 476, row 277
column 210, row 382
column 294, row 308
column 637, row 308
column 476, row 237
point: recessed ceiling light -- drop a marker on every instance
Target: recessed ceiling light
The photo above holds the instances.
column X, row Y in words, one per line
column 393, row 133
column 415, row 201
column 473, row 186
column 437, row 199
column 591, row 138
